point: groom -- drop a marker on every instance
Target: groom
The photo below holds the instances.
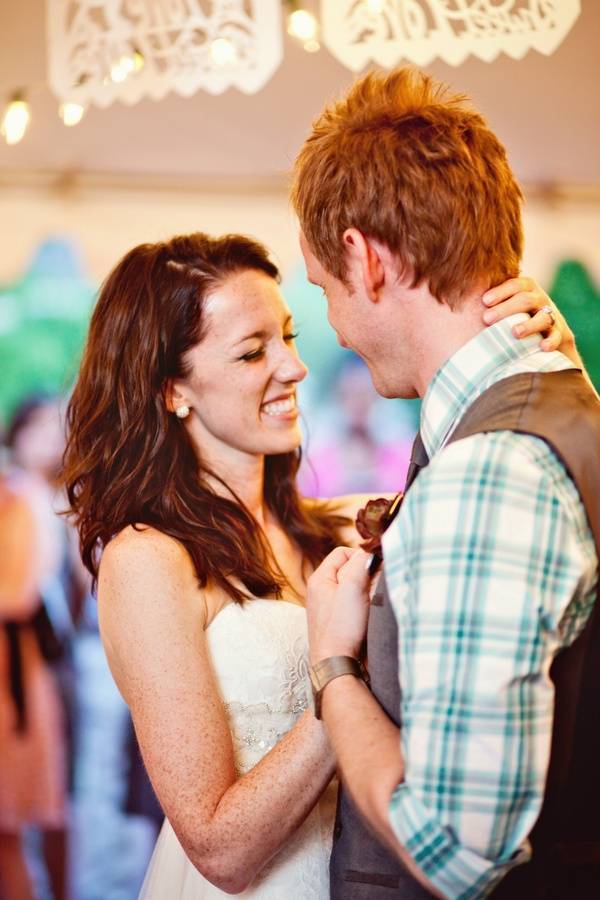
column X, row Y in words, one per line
column 483, row 647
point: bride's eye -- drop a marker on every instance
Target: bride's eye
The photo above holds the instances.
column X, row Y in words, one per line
column 290, row 337
column 253, row 354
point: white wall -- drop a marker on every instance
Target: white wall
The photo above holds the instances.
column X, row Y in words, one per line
column 108, row 218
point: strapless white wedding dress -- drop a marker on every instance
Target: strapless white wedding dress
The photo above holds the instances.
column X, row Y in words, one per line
column 259, row 654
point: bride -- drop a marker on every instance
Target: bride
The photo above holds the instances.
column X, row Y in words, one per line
column 180, row 468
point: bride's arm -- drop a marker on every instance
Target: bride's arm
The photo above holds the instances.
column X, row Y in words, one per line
column 152, row 621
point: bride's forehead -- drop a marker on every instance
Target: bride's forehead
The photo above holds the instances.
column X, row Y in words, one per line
column 252, row 302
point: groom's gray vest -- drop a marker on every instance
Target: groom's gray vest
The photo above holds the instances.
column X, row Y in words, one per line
column 361, row 868
column 560, row 408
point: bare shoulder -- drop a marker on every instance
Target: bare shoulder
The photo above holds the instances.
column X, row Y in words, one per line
column 15, row 509
column 143, row 556
column 136, row 547
column 19, row 530
column 348, row 506
column 146, row 585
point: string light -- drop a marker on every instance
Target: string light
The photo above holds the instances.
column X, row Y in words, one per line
column 223, row 52
column 302, row 25
column 123, row 67
column 71, row 113
column 376, row 6
column 15, row 120
column 126, row 64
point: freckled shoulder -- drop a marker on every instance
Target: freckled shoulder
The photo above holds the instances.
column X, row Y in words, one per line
column 151, row 612
column 134, row 549
column 149, row 567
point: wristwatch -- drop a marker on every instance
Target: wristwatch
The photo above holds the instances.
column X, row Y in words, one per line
column 327, row 669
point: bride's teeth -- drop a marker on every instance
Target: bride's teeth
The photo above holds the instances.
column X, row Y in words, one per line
column 279, row 406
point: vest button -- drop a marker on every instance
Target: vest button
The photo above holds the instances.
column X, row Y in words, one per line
column 337, row 831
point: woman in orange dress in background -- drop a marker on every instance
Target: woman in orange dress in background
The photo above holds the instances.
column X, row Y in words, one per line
column 32, row 764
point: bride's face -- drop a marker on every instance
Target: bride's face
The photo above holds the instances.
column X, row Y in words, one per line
column 243, row 374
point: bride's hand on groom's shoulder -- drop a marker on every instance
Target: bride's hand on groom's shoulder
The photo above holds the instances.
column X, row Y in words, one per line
column 337, row 603
column 524, row 295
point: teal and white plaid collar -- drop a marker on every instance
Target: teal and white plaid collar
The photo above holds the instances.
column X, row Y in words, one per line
column 472, row 369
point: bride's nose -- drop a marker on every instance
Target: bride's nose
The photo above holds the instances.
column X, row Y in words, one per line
column 291, row 367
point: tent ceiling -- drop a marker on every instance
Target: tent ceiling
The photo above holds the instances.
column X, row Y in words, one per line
column 546, row 109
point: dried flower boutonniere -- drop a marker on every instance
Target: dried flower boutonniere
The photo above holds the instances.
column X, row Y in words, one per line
column 373, row 519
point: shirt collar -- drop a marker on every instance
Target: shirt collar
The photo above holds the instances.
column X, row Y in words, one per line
column 468, row 372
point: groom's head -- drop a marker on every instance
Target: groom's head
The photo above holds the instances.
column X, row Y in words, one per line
column 402, row 188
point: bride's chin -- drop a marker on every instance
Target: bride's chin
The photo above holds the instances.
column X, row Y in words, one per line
column 284, row 446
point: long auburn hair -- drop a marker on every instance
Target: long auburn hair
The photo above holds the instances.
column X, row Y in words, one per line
column 129, row 461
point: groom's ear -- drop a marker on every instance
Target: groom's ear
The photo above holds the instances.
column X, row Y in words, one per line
column 365, row 262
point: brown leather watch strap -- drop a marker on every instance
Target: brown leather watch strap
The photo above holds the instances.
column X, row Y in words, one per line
column 327, row 669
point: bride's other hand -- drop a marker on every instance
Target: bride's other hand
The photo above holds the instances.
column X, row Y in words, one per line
column 525, row 295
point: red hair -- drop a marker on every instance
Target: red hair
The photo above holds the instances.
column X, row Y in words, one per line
column 411, row 165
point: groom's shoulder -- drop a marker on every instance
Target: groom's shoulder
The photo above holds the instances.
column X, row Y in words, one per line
column 501, row 458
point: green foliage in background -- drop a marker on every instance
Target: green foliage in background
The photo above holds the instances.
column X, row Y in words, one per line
column 578, row 299
column 43, row 322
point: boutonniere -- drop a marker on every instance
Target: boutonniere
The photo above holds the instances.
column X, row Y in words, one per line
column 373, row 520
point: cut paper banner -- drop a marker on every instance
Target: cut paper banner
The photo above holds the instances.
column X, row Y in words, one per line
column 100, row 51
column 387, row 32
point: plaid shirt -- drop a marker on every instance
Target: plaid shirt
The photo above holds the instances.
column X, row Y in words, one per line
column 491, row 568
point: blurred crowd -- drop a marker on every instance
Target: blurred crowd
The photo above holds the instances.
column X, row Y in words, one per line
column 356, row 441
column 70, row 772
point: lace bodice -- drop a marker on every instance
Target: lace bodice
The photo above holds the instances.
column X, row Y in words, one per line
column 259, row 655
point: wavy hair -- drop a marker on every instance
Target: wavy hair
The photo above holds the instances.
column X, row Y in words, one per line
column 129, row 461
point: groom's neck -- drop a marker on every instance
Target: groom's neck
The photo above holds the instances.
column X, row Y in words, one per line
column 439, row 331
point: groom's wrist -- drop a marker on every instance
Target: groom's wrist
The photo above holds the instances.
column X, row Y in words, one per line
column 326, row 670
column 318, row 652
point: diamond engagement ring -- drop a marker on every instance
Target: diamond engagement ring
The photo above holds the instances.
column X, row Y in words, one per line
column 550, row 312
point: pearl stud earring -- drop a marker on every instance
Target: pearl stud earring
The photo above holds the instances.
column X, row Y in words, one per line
column 182, row 412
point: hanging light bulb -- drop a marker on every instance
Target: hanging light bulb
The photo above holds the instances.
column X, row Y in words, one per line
column 15, row 120
column 302, row 25
column 138, row 60
column 123, row 67
column 71, row 113
column 312, row 46
column 223, row 52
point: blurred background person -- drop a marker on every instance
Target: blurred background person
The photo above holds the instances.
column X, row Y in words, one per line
column 102, row 768
column 35, row 440
column 358, row 442
column 33, row 771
